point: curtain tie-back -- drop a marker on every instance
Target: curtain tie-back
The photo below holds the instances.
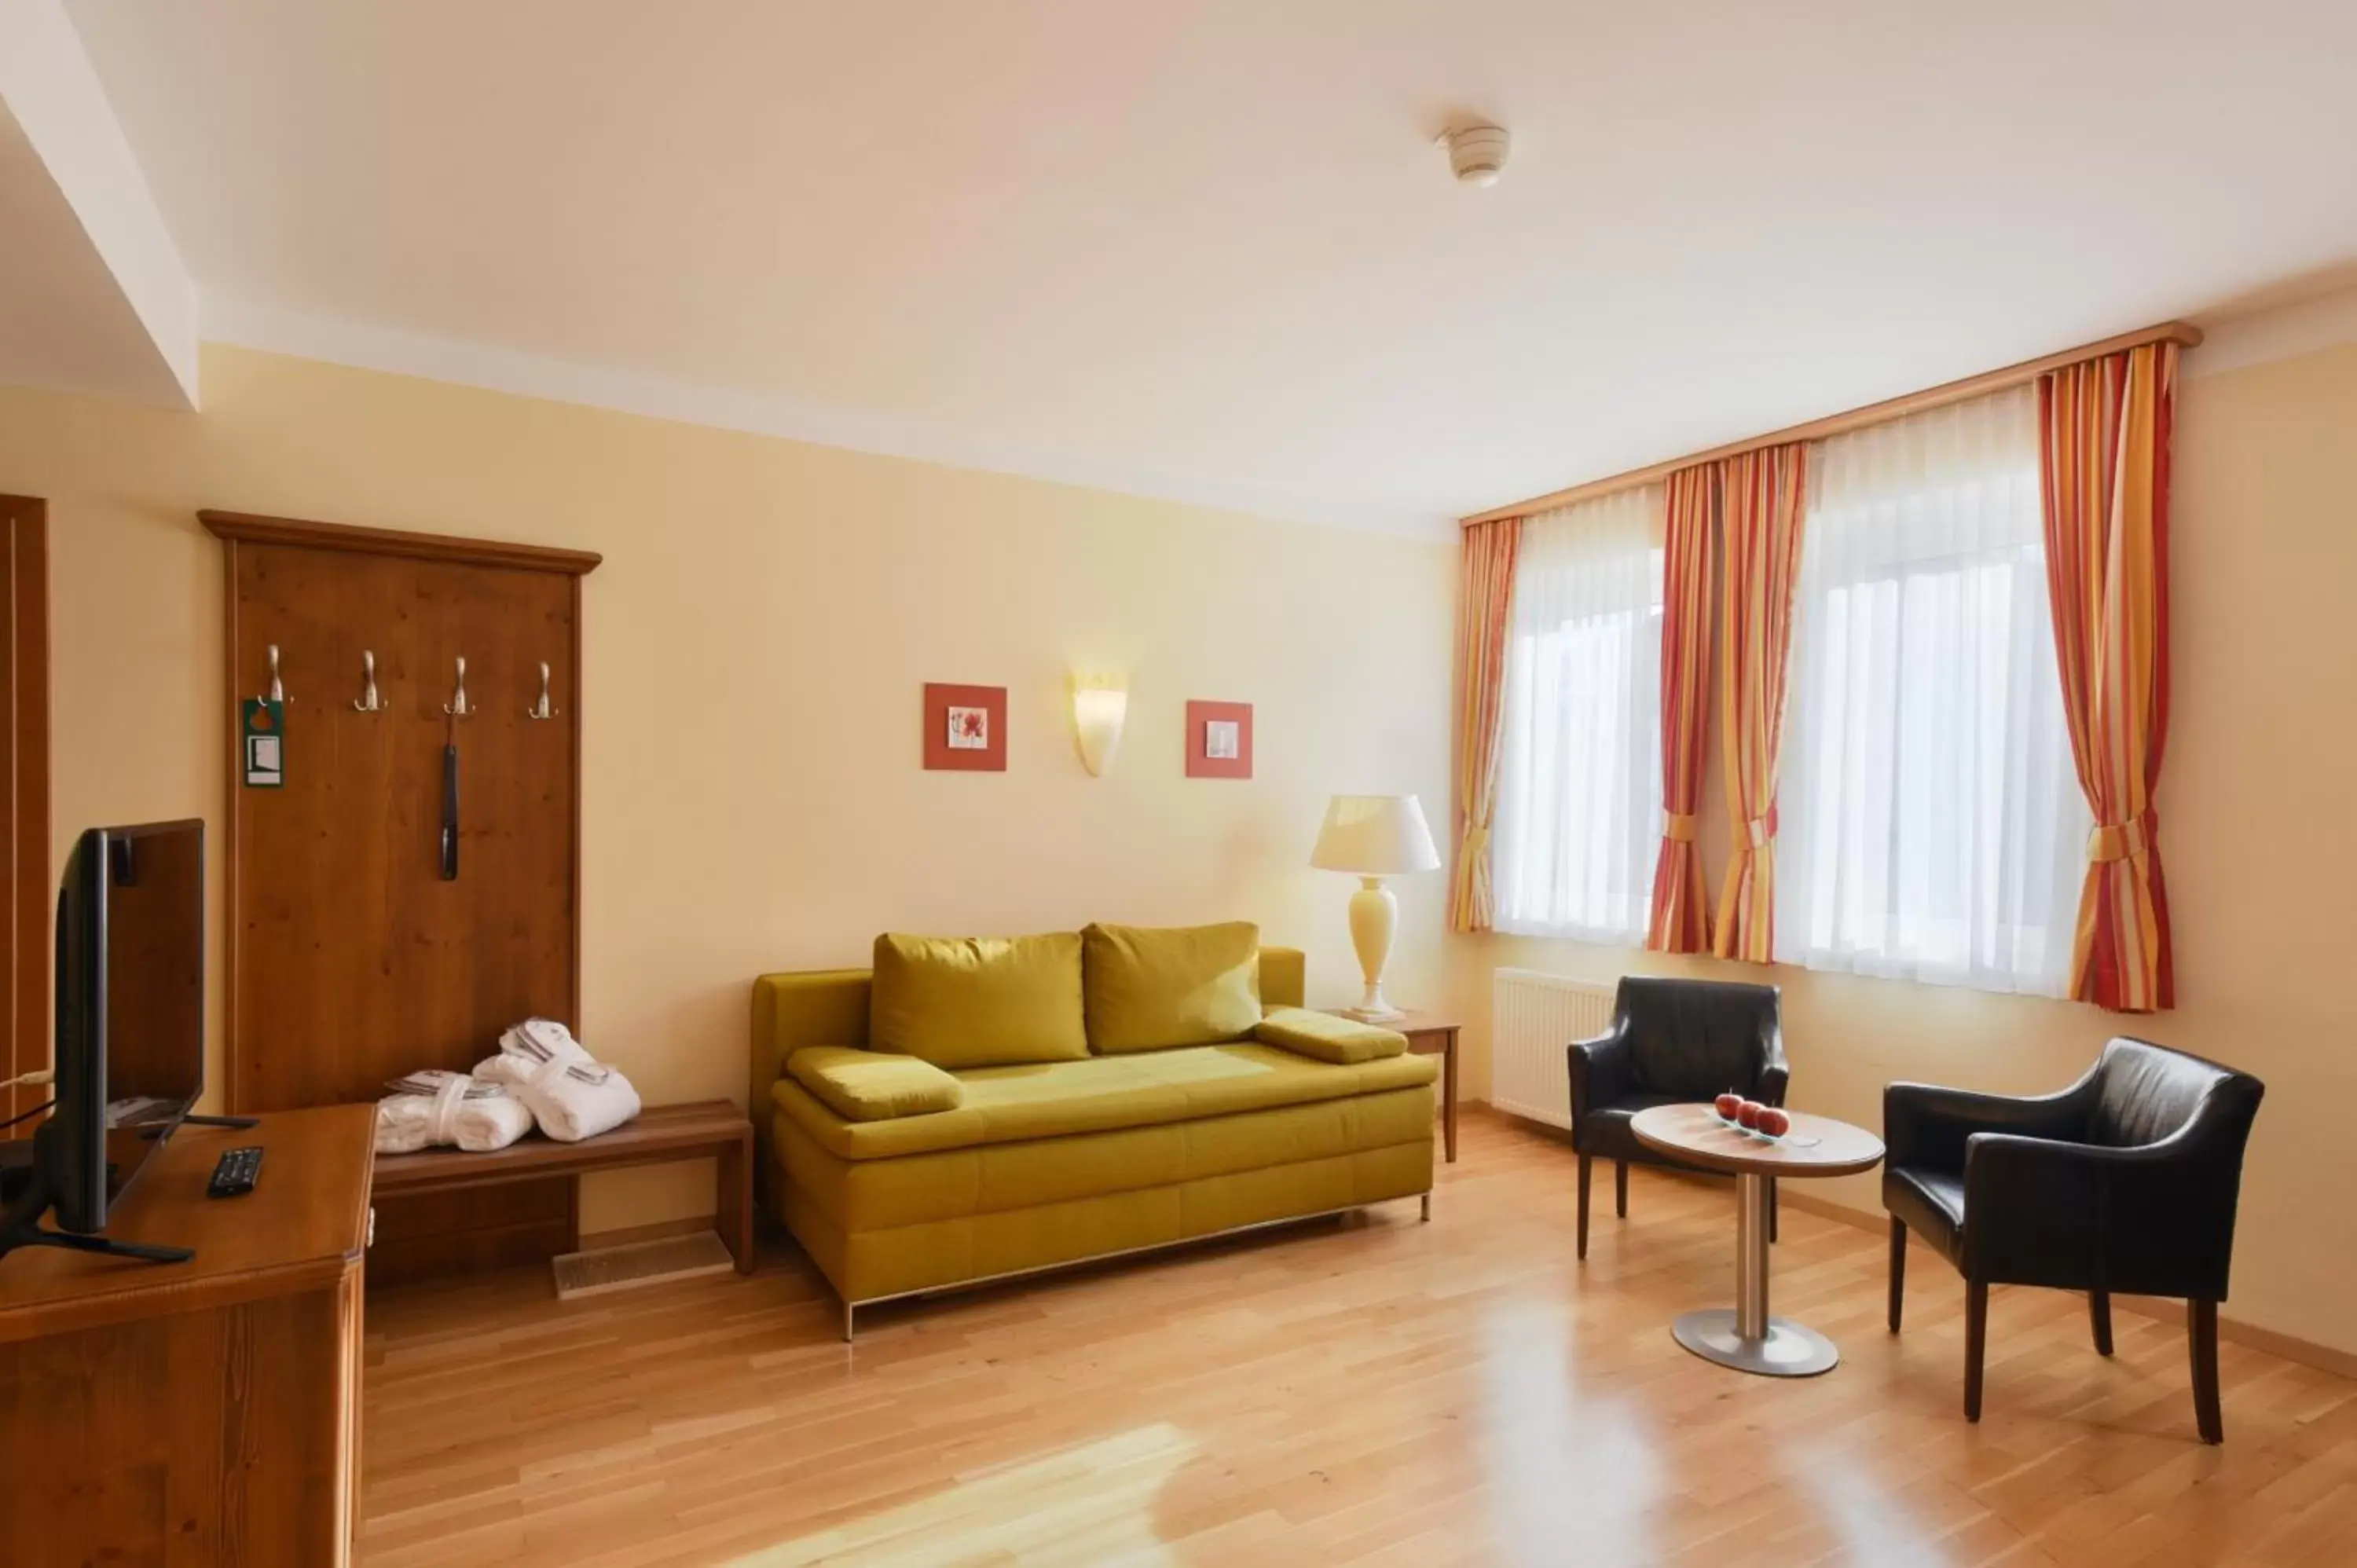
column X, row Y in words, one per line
column 1761, row 829
column 1680, row 827
column 1477, row 835
column 2130, row 839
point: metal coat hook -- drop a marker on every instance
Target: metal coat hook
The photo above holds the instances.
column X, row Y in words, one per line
column 541, row 710
column 367, row 703
column 457, row 707
column 277, row 693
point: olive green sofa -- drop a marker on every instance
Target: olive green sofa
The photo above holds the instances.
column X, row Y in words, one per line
column 900, row 1175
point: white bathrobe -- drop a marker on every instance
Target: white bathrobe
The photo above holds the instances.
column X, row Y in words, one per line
column 570, row 1093
column 434, row 1109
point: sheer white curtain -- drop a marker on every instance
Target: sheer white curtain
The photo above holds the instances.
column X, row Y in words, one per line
column 1580, row 786
column 1933, row 829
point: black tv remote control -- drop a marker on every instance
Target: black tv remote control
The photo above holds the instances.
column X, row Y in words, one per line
column 233, row 1172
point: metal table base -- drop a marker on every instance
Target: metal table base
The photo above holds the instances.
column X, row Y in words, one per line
column 1744, row 1337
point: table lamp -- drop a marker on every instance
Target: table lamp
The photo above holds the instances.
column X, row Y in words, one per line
column 1372, row 837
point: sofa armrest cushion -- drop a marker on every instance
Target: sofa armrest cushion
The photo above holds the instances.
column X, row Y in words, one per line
column 1327, row 1039
column 872, row 1086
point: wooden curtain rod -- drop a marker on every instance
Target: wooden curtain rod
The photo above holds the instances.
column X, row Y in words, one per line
column 2182, row 333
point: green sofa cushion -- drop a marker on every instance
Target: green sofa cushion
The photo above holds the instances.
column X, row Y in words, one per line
column 961, row 1002
column 1154, row 989
column 874, row 1086
column 1145, row 1089
column 1328, row 1037
column 991, row 1178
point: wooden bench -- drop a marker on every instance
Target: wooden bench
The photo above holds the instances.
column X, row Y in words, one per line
column 661, row 1134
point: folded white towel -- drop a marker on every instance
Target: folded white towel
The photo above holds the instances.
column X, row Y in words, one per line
column 436, row 1107
column 570, row 1094
column 543, row 1039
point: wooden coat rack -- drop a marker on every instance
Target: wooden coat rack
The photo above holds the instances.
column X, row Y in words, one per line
column 383, row 915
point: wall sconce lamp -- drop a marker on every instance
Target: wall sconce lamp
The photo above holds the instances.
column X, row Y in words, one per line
column 1100, row 708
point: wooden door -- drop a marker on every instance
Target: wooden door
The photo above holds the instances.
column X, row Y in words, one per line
column 24, row 955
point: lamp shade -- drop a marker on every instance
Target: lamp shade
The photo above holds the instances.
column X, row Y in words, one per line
column 1374, row 835
column 1098, row 714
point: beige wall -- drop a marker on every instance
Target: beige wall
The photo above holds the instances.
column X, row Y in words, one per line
column 2260, row 844
column 767, row 610
column 754, row 648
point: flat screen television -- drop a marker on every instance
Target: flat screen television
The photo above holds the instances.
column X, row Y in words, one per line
column 130, row 1054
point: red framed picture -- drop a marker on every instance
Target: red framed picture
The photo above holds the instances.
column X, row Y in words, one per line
column 1219, row 740
column 965, row 728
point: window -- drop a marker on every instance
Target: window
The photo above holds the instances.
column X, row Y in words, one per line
column 1580, row 767
column 1933, row 827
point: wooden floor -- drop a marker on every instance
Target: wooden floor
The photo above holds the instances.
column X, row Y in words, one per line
column 1375, row 1391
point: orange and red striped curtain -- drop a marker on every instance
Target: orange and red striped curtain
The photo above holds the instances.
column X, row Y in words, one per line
column 1764, row 493
column 1680, row 918
column 2102, row 457
column 1484, row 602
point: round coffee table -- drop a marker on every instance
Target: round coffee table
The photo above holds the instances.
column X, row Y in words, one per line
column 1744, row 1337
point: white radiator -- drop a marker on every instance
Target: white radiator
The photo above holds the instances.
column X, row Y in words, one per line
column 1533, row 1018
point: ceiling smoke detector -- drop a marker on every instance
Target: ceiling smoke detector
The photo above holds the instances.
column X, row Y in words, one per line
column 1477, row 152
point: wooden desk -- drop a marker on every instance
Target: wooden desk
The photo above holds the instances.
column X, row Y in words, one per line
column 661, row 1134
column 198, row 1413
column 1432, row 1035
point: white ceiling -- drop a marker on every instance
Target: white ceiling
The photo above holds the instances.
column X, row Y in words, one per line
column 64, row 323
column 92, row 298
column 1207, row 250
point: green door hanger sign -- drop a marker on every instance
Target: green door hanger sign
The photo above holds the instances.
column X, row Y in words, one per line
column 264, row 743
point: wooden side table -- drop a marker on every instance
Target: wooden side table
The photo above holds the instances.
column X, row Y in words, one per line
column 1432, row 1035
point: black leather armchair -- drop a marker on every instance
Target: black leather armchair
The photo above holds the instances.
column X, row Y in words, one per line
column 2124, row 1181
column 1672, row 1042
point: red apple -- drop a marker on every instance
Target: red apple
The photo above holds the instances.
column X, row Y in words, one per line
column 1747, row 1113
column 1775, row 1122
column 1727, row 1104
